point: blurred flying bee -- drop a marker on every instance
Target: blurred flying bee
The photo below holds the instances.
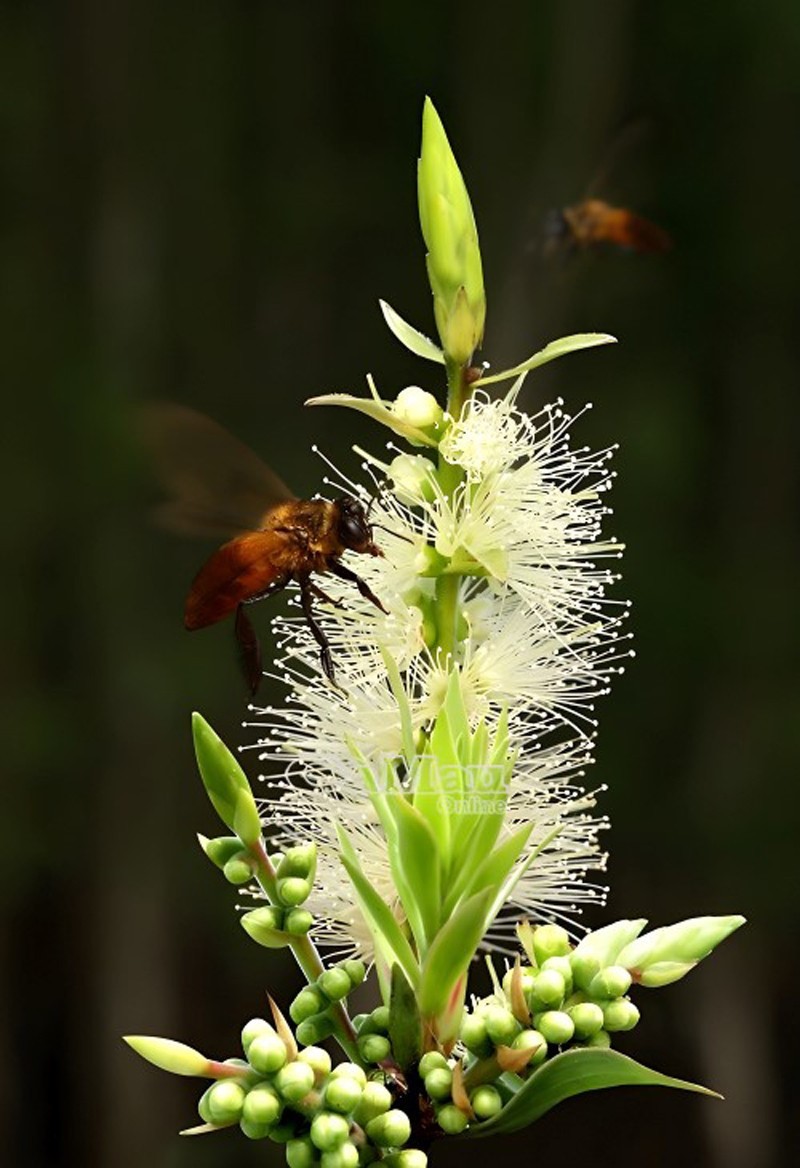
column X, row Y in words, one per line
column 595, row 222
column 218, row 486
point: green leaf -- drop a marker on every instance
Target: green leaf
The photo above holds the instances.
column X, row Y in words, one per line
column 549, row 353
column 573, row 1073
column 169, row 1055
column 377, row 410
column 414, row 340
column 225, row 783
column 415, row 863
column 405, row 1026
column 379, row 916
column 494, row 869
column 451, row 953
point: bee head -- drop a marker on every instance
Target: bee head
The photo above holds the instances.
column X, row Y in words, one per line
column 353, row 527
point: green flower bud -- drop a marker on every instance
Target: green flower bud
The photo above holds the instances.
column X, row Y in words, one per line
column 225, row 1101
column 356, row 971
column 342, row 1094
column 267, row 1053
column 418, row 408
column 587, row 1018
column 527, row 974
column 298, row 861
column 407, row 1158
column 202, row 1106
column 238, row 870
column 293, row 891
column 454, row 259
column 432, row 1060
column 220, row 849
column 684, row 943
column 254, row 1131
column 374, row 1048
column 612, row 982
column 298, row 921
column 225, row 783
column 620, row 1015
column 176, row 1057
column 486, row 1101
column 264, row 925
column 315, row 1029
column 375, row 1100
column 501, row 1025
column 353, row 1070
column 549, row 989
column 563, row 966
column 474, row 1035
column 308, row 1002
column 379, row 1020
column 318, row 1059
column 329, row 1130
column 601, row 1040
column 344, row 1157
column 390, row 1130
column 534, row 1041
column 602, row 948
column 439, row 1083
column 556, row 1026
column 335, row 983
column 412, row 476
column 262, row 1105
column 451, row 1120
column 301, row 1153
column 664, row 973
column 283, row 1132
column 550, row 941
column 294, row 1081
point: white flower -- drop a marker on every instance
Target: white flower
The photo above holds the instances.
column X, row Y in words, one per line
column 539, row 638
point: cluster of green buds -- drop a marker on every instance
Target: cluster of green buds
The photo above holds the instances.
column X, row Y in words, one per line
column 329, row 1115
column 312, row 1009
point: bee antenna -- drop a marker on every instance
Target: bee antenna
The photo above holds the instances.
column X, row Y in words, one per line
column 389, row 531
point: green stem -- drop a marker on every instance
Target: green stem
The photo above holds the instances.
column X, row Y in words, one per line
column 307, row 956
column 448, row 586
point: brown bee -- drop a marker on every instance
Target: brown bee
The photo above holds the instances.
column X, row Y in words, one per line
column 219, row 486
column 595, row 222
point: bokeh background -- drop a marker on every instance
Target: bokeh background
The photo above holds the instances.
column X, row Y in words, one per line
column 203, row 202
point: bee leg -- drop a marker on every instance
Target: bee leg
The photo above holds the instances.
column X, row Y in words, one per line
column 315, row 588
column 249, row 649
column 276, row 586
column 306, row 594
column 353, row 578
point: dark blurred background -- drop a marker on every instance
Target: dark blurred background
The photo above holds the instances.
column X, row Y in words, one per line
column 203, row 202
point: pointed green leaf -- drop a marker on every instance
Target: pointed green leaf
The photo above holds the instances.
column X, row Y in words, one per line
column 549, row 353
column 169, row 1055
column 414, row 340
column 377, row 410
column 415, row 860
column 225, row 783
column 573, row 1073
column 451, row 952
column 494, row 869
column 405, row 1026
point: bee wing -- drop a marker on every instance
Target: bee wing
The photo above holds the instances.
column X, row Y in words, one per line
column 216, row 485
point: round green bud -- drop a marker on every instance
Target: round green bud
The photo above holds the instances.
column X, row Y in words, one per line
column 474, row 1035
column 451, row 1120
column 556, row 1026
column 375, row 1100
column 549, row 989
column 262, row 1105
column 342, row 1094
column 267, row 1053
column 344, row 1157
column 297, row 921
column 252, row 1029
column 293, row 891
column 335, row 983
column 431, row 1060
column 300, row 1153
column 316, row 1029
column 374, row 1048
column 407, row 1158
column 390, row 1130
column 318, row 1059
column 356, row 970
column 620, row 1015
column 237, row 871
column 613, row 981
column 486, row 1101
column 585, row 966
column 587, row 1018
column 298, row 861
column 294, row 1081
column 380, row 1020
column 501, row 1025
column 601, row 1039
column 329, row 1130
column 550, row 941
column 351, row 1069
column 308, row 1002
column 221, row 849
column 439, row 1083
column 202, row 1106
column 563, row 966
column 527, row 975
column 412, row 476
column 534, row 1041
column 254, row 1131
column 283, row 1132
column 417, row 407
column 225, row 1101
